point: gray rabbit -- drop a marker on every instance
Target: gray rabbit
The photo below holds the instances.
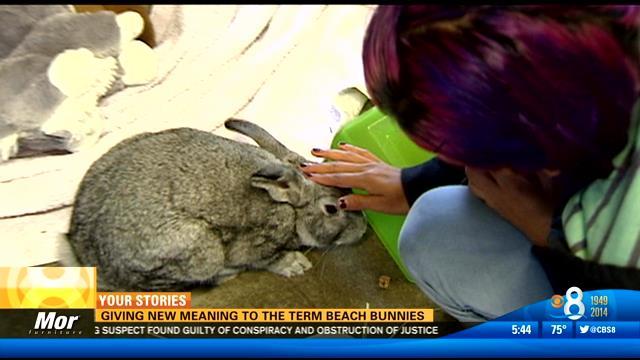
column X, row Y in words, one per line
column 181, row 208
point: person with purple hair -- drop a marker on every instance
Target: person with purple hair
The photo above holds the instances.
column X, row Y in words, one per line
column 531, row 112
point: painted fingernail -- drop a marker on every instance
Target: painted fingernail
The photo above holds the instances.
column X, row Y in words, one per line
column 342, row 143
column 316, row 150
column 342, row 204
column 303, row 164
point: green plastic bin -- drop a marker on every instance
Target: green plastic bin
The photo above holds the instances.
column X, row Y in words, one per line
column 380, row 134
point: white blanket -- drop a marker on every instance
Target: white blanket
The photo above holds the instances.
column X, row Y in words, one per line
column 278, row 66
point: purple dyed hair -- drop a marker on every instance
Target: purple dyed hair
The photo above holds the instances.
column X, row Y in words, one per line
column 525, row 87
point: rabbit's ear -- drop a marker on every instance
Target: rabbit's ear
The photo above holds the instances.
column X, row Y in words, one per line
column 281, row 182
column 265, row 140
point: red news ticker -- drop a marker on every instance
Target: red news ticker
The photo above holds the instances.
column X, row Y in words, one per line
column 143, row 300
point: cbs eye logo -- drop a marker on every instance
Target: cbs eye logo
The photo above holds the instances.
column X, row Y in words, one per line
column 573, row 302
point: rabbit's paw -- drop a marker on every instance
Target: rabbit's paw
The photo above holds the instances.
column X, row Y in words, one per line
column 8, row 147
column 291, row 264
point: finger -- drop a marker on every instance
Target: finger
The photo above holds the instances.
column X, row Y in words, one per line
column 480, row 182
column 506, row 177
column 360, row 151
column 344, row 180
column 475, row 190
column 505, row 171
column 480, row 178
column 333, row 167
column 356, row 202
column 509, row 179
column 340, row 155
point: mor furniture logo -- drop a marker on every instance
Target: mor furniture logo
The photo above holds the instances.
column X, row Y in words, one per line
column 49, row 320
column 47, row 301
column 52, row 323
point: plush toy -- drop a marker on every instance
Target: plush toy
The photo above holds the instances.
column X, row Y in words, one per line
column 148, row 35
column 55, row 65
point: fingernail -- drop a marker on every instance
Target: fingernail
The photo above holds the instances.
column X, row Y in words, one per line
column 315, row 150
column 303, row 165
column 342, row 204
column 342, row 143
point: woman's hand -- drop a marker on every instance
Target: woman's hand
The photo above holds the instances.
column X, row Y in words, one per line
column 521, row 201
column 354, row 167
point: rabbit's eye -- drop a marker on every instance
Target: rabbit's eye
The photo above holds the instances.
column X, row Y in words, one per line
column 330, row 209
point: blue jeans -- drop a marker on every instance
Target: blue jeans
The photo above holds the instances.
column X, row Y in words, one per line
column 467, row 258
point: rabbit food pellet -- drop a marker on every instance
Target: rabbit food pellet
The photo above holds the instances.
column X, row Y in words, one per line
column 384, row 281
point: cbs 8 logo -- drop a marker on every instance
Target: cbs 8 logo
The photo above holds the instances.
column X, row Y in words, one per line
column 574, row 302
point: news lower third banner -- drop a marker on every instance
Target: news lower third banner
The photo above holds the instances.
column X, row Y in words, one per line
column 57, row 302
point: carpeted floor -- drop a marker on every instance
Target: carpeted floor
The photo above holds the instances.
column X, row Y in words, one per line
column 343, row 277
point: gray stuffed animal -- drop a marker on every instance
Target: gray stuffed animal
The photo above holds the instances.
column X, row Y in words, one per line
column 55, row 65
column 18, row 20
column 183, row 207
